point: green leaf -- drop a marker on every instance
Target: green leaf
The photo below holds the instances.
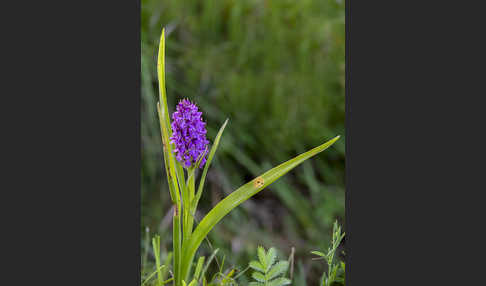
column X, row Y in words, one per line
column 242, row 272
column 258, row 276
column 199, row 266
column 257, row 266
column 270, row 258
column 163, row 111
column 166, row 281
column 239, row 196
column 152, row 275
column 255, row 284
column 209, row 262
column 318, row 253
column 156, row 247
column 161, row 78
column 262, row 257
column 168, row 260
column 222, row 264
column 279, row 282
column 175, row 172
column 206, row 166
column 168, row 158
column 227, row 279
column 278, row 269
column 324, row 279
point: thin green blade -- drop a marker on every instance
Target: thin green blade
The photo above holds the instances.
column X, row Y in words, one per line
column 239, row 196
column 206, row 167
column 173, row 171
column 199, row 266
column 161, row 78
column 318, row 253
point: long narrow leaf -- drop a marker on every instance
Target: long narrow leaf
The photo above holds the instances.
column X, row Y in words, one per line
column 168, row 158
column 161, row 78
column 239, row 196
column 167, row 261
column 156, row 247
column 152, row 275
column 175, row 170
column 206, row 166
column 199, row 266
column 203, row 273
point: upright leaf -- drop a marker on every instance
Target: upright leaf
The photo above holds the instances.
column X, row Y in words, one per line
column 156, row 247
column 206, row 166
column 208, row 263
column 199, row 266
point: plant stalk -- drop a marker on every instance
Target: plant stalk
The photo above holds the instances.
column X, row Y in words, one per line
column 176, row 241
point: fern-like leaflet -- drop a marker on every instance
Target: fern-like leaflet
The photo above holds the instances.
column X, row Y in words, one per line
column 267, row 272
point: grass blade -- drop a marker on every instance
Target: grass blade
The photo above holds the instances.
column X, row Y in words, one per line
column 199, row 266
column 167, row 261
column 161, row 78
column 318, row 253
column 174, row 170
column 203, row 273
column 156, row 247
column 168, row 158
column 206, row 166
column 239, row 196
column 153, row 274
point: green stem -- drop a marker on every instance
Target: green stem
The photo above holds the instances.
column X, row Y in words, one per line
column 185, row 199
column 191, row 188
column 188, row 219
column 176, row 236
column 156, row 247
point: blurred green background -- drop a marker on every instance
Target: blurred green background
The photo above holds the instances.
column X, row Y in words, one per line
column 276, row 70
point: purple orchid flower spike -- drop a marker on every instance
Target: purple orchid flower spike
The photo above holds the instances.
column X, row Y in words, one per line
column 189, row 134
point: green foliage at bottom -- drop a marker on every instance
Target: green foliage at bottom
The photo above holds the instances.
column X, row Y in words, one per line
column 336, row 270
column 267, row 272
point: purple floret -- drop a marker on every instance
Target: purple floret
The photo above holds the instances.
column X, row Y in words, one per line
column 189, row 134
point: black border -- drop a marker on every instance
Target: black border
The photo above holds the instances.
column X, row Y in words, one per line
column 138, row 198
column 78, row 215
column 348, row 141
